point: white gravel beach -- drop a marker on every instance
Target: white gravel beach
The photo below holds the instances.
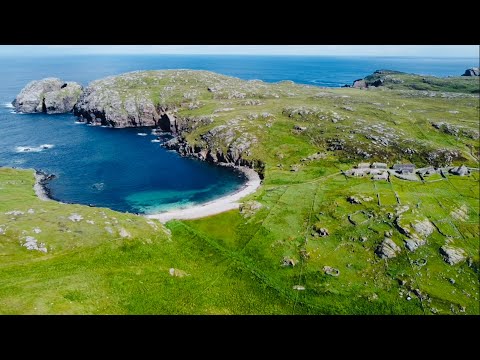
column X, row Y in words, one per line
column 228, row 202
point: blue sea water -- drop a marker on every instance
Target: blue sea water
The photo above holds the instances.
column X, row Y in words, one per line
column 119, row 169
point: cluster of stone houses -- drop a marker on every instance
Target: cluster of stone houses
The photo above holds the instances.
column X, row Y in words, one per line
column 377, row 170
column 380, row 171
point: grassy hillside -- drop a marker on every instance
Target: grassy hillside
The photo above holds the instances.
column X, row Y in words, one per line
column 101, row 261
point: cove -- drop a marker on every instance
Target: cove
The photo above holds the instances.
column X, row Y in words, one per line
column 123, row 169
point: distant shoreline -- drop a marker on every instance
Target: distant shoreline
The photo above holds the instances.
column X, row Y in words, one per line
column 217, row 206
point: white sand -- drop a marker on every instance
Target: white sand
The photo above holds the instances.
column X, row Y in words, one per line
column 217, row 206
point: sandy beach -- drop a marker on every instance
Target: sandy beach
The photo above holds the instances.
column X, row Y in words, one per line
column 228, row 202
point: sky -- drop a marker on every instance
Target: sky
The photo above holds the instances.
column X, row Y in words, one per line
column 469, row 51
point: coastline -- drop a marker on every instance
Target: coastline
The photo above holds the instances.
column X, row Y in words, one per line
column 217, row 206
column 213, row 207
column 39, row 187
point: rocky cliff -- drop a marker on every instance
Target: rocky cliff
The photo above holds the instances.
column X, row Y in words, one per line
column 49, row 95
column 154, row 98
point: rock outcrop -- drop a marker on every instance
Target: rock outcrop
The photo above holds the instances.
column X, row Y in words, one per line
column 359, row 84
column 452, row 255
column 387, row 249
column 475, row 71
column 417, row 230
column 49, row 95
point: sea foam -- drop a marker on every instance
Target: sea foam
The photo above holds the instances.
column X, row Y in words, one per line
column 33, row 148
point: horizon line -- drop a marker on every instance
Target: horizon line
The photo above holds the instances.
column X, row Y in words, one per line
column 234, row 54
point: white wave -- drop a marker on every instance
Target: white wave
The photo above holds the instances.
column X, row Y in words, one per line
column 156, row 140
column 33, row 148
column 79, row 122
column 8, row 105
column 142, row 134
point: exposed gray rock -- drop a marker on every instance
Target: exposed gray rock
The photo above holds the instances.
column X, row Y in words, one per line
column 359, row 84
column 249, row 208
column 124, row 233
column 104, row 102
column 32, row 244
column 321, row 231
column 316, row 156
column 177, row 272
column 286, row 261
column 298, row 287
column 413, row 243
column 299, row 128
column 452, row 255
column 387, row 249
column 417, row 231
column 475, row 71
column 423, row 227
column 331, row 271
column 49, row 95
column 75, row 217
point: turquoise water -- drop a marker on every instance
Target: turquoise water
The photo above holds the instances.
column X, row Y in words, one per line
column 119, row 169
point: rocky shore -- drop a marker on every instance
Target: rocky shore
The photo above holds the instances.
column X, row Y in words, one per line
column 40, row 180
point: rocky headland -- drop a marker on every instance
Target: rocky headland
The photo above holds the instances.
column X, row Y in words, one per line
column 50, row 95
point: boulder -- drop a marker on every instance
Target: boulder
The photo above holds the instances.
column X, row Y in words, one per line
column 177, row 272
column 417, row 230
column 387, row 249
column 286, row 261
column 475, row 71
column 452, row 255
column 423, row 227
column 413, row 243
column 249, row 208
column 331, row 271
column 49, row 95
column 359, row 84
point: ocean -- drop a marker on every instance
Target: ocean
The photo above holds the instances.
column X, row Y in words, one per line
column 122, row 168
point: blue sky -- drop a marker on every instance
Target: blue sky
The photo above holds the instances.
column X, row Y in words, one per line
column 471, row 51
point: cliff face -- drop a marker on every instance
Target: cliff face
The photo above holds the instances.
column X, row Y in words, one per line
column 105, row 102
column 209, row 150
column 49, row 95
column 154, row 98
column 141, row 98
